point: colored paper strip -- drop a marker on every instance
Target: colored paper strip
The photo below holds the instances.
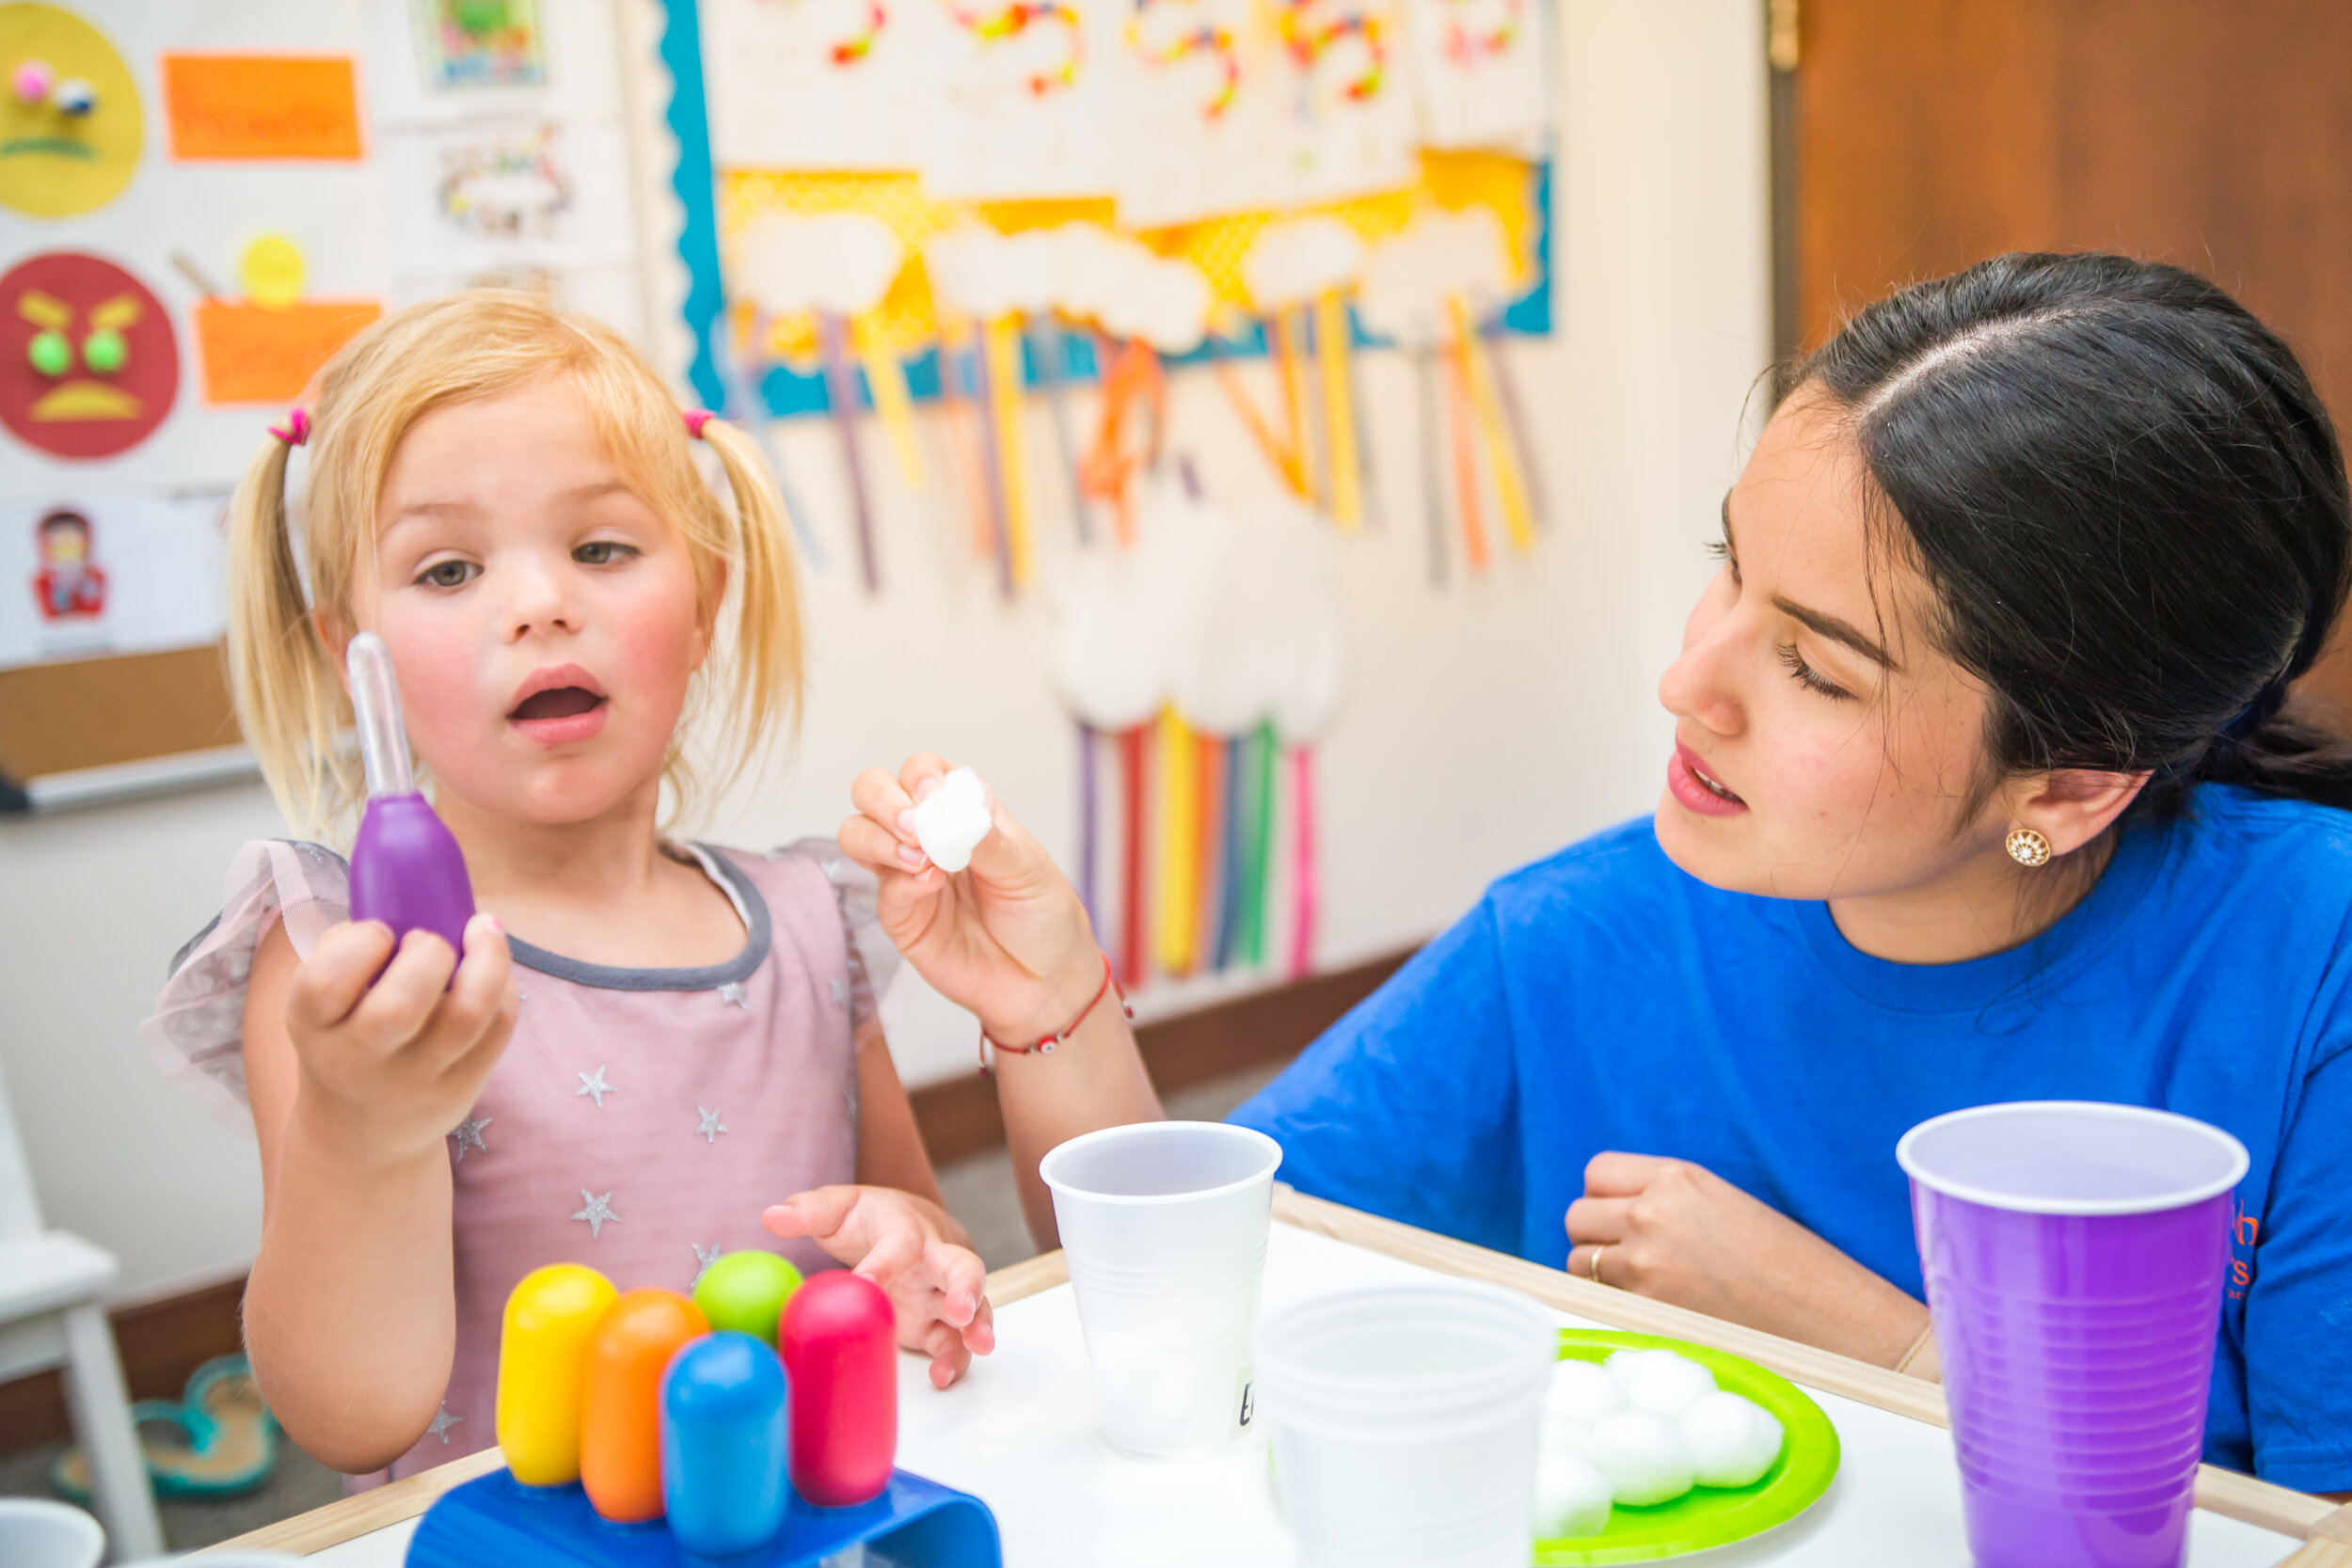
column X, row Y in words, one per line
column 262, row 106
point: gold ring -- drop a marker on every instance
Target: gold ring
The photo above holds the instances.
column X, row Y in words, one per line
column 1592, row 1269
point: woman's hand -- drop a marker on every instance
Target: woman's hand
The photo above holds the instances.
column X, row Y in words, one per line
column 915, row 1253
column 1007, row 938
column 393, row 1060
column 1678, row 1233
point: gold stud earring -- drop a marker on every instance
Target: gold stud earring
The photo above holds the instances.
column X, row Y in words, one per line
column 2028, row 847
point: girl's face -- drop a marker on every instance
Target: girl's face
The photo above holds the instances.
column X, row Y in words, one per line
column 1825, row 748
column 543, row 620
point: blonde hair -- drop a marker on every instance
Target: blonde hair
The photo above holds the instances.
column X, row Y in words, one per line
column 289, row 691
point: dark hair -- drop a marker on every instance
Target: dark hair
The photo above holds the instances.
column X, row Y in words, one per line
column 63, row 519
column 2130, row 504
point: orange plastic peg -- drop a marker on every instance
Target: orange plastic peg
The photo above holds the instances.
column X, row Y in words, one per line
column 620, row 1424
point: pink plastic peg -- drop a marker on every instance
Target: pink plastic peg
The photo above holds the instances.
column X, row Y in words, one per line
column 839, row 1340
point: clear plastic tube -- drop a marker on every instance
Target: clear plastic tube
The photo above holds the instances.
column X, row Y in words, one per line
column 375, row 708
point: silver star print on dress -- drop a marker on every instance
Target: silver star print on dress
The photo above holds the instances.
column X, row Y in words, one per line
column 598, row 1213
column 442, row 1421
column 710, row 1129
column 840, row 991
column 703, row 1258
column 592, row 1083
column 733, row 992
column 469, row 1135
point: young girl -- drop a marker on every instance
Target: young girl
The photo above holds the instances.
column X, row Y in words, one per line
column 644, row 1042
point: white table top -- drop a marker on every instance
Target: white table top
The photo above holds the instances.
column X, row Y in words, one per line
column 1019, row 1432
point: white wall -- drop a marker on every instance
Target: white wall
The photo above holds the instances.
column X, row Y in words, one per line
column 1487, row 724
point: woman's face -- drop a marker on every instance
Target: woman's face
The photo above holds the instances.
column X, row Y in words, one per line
column 544, row 621
column 1825, row 748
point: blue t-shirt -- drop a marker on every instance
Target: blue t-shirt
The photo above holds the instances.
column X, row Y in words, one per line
column 1603, row 999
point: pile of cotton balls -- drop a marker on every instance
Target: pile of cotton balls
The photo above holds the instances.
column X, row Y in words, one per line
column 1641, row 1430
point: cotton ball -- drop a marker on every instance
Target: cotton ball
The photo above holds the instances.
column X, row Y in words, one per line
column 1643, row 1457
column 1571, row 1497
column 1582, row 1393
column 1732, row 1441
column 954, row 819
column 1659, row 1380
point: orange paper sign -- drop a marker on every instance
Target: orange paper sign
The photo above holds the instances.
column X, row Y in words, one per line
column 252, row 355
column 262, row 106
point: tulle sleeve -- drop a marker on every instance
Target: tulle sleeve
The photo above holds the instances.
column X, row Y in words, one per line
column 197, row 1032
column 873, row 961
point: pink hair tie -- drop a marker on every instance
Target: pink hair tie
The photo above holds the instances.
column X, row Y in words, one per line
column 695, row 419
column 295, row 431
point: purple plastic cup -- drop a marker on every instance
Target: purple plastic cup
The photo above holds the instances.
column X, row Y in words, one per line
column 2074, row 1256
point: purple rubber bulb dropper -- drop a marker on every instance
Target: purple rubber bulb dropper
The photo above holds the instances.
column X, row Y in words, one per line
column 406, row 869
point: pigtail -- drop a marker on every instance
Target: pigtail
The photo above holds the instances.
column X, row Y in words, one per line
column 764, row 672
column 289, row 701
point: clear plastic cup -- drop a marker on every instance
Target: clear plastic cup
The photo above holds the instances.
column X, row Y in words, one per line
column 2075, row 1255
column 1403, row 1423
column 38, row 1533
column 1164, row 1225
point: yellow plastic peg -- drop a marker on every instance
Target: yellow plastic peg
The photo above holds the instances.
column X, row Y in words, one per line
column 551, row 1319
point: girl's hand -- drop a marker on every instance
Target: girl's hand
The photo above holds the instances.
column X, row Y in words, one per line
column 1007, row 938
column 915, row 1253
column 1679, row 1233
column 396, row 1061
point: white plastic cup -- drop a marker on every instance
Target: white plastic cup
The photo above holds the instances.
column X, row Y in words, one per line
column 1164, row 1225
column 1404, row 1424
column 38, row 1533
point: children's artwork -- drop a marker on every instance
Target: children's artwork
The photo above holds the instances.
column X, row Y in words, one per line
column 1207, row 106
column 239, row 106
column 89, row 364
column 835, row 268
column 481, row 44
column 85, row 576
column 1479, row 77
column 1350, row 120
column 1215, row 642
column 503, row 183
column 71, row 124
column 1297, row 273
column 1023, row 100
column 818, row 84
column 1432, row 289
column 255, row 353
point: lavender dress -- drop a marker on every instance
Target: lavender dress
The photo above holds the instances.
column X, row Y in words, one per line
column 638, row 1119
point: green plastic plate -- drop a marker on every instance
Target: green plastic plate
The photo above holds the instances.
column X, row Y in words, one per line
column 1707, row 1516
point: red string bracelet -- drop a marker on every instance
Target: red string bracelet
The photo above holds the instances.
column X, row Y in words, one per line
column 1045, row 1045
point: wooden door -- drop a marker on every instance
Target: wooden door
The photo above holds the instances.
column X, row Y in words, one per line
column 1920, row 135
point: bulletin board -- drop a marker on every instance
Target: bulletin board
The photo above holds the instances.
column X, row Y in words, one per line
column 845, row 150
column 199, row 205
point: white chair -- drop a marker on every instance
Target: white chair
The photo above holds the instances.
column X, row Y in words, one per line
column 51, row 1316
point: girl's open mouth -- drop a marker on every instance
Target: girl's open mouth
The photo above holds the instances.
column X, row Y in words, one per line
column 560, row 704
column 564, row 702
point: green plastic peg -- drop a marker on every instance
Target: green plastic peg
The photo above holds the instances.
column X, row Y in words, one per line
column 746, row 1292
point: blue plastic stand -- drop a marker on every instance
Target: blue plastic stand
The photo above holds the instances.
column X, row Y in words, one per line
column 500, row 1522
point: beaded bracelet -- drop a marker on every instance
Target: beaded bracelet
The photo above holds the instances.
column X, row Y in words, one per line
column 1045, row 1045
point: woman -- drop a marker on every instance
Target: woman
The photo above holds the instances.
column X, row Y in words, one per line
column 1983, row 790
